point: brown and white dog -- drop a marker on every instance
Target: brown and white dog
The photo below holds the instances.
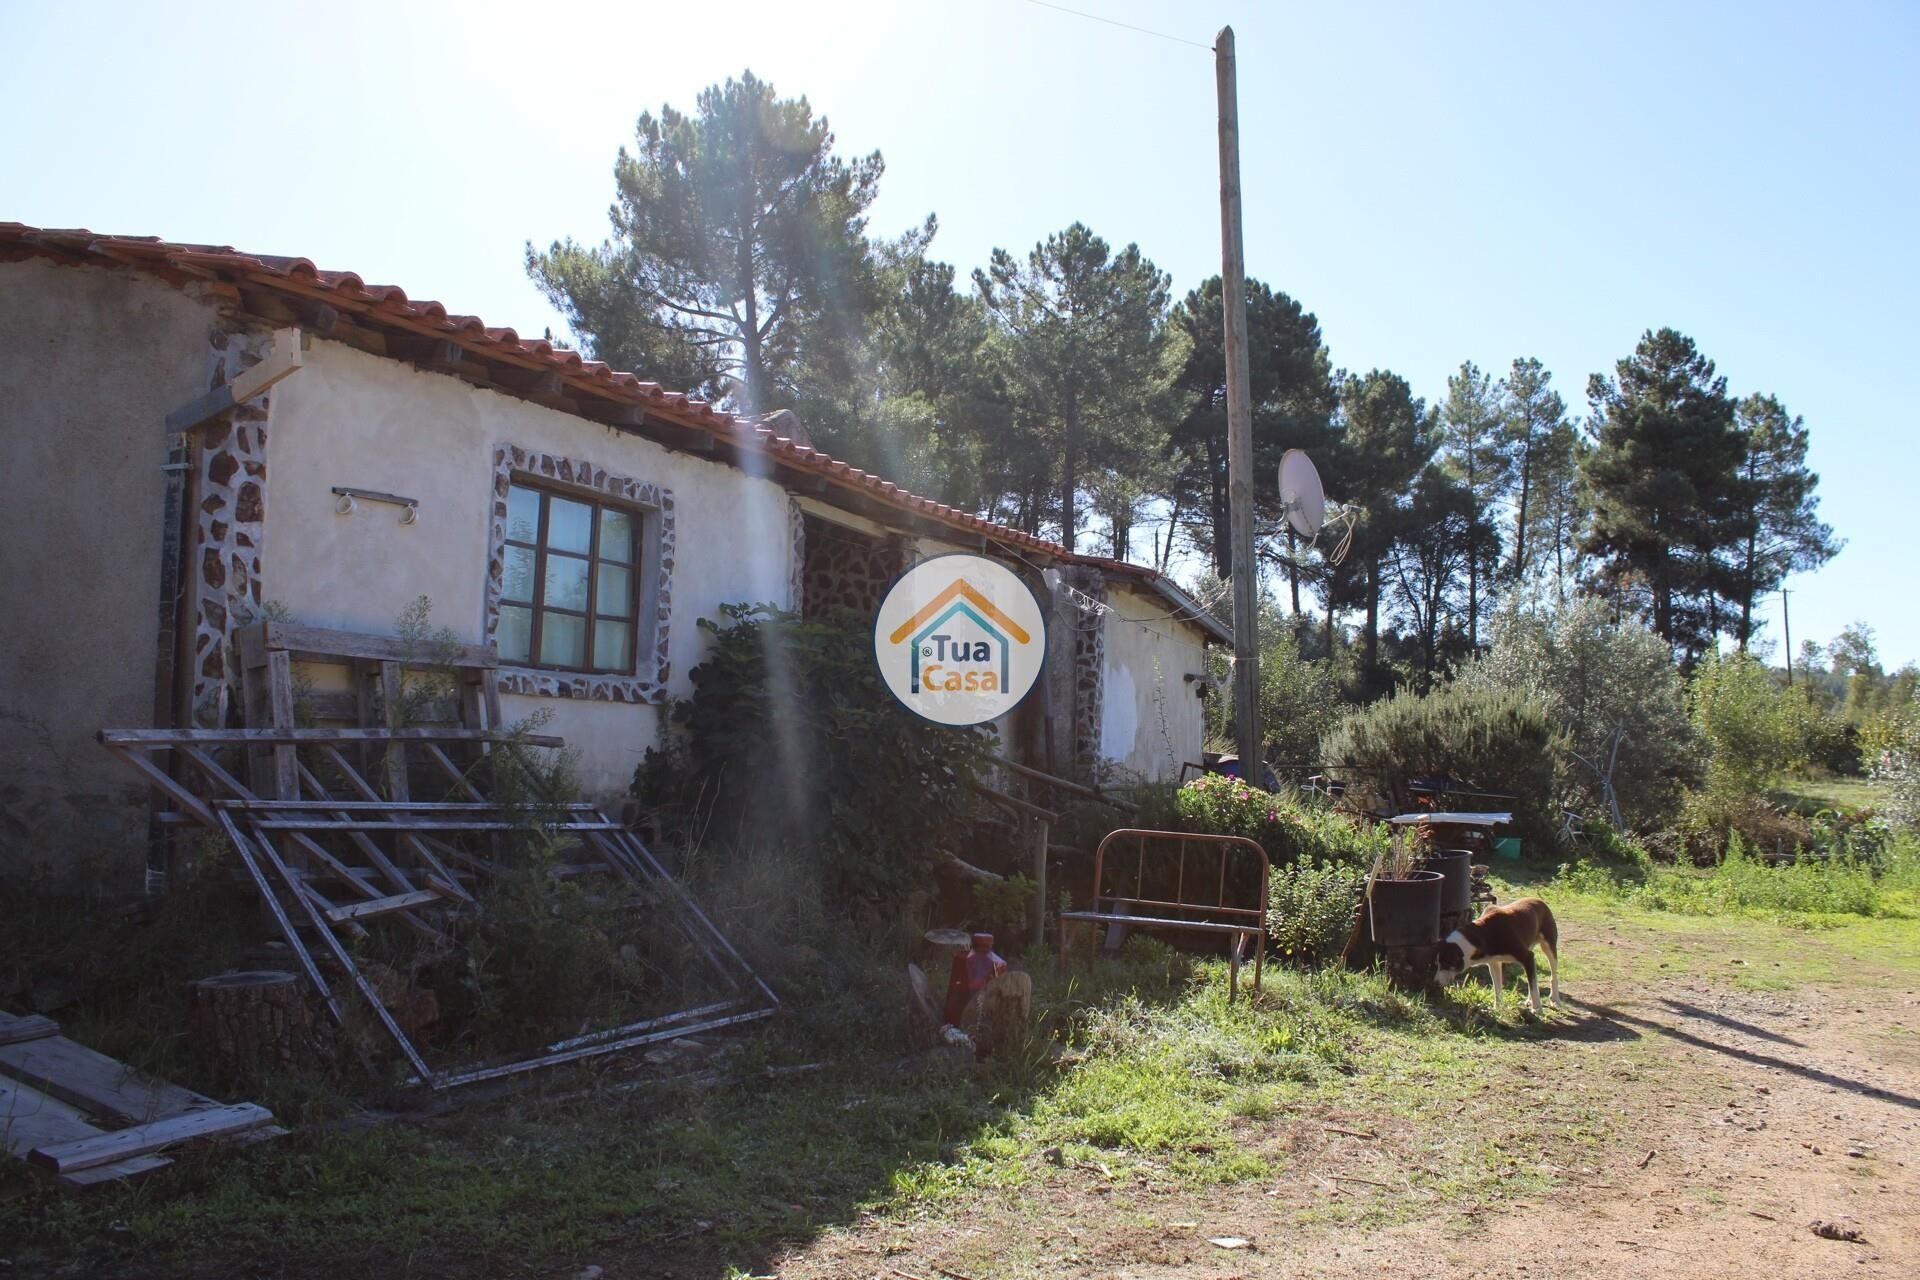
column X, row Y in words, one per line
column 1503, row 936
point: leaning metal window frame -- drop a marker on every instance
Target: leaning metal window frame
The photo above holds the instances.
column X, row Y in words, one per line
column 653, row 506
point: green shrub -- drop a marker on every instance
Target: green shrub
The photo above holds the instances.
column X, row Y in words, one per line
column 1287, row 829
column 1754, row 729
column 791, row 736
column 1487, row 738
column 1310, row 910
column 1595, row 675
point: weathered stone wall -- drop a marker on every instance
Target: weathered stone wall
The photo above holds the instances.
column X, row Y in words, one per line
column 230, row 519
column 92, row 359
column 846, row 569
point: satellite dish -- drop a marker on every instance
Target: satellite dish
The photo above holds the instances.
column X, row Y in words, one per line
column 1301, row 497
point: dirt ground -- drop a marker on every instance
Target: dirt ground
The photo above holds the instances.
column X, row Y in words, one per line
column 1729, row 1119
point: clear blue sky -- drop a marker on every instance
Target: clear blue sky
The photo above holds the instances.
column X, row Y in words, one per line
column 1438, row 182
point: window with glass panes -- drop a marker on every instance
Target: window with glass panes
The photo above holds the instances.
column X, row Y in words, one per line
column 570, row 595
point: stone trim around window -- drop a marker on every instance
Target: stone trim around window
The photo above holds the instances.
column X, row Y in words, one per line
column 654, row 505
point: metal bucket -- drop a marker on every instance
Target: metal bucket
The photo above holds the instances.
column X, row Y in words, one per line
column 1406, row 913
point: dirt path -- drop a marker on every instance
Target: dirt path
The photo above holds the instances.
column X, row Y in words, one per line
column 1762, row 1111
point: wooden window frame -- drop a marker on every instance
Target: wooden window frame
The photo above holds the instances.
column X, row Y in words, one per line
column 540, row 608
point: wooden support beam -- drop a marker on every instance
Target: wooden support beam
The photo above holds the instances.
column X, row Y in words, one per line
column 1025, row 807
column 179, row 794
column 380, row 906
column 325, row 644
column 283, row 357
column 150, row 739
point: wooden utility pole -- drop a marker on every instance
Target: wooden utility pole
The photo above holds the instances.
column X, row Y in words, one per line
column 1786, row 624
column 1233, row 272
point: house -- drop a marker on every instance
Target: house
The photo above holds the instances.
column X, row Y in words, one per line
column 580, row 519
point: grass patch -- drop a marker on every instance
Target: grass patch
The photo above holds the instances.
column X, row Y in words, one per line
column 1845, row 795
column 1803, row 889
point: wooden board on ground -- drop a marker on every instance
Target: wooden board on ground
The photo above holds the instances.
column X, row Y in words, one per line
column 32, row 1027
column 96, row 1083
column 97, row 1149
column 30, row 1118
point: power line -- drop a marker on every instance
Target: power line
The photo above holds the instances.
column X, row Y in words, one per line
column 1115, row 22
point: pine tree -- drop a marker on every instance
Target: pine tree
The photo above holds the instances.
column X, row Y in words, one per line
column 738, row 255
column 1785, row 533
column 1292, row 387
column 1475, row 451
column 1386, row 437
column 1083, row 332
column 1535, row 437
column 1664, row 484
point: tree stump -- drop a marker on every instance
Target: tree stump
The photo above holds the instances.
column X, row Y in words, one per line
column 249, row 1023
column 998, row 1016
column 923, row 1015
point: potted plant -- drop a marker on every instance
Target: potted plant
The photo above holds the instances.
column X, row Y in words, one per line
column 1403, row 901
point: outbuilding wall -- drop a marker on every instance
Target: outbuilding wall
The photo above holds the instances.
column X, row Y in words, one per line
column 92, row 359
column 356, row 420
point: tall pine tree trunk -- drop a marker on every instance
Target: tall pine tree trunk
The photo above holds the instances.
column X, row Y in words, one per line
column 1070, row 479
column 1520, row 512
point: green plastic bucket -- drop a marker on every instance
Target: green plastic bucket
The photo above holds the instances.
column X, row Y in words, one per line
column 1507, row 848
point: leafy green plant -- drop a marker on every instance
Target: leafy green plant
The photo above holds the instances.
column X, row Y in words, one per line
column 1596, row 675
column 1310, row 910
column 1289, row 829
column 1754, row 729
column 791, row 736
column 1496, row 740
column 1002, row 902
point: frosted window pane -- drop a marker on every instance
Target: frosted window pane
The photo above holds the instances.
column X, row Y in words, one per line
column 566, row 582
column 563, row 640
column 518, row 583
column 514, row 634
column 616, row 535
column 610, row 641
column 569, row 525
column 614, row 597
column 523, row 514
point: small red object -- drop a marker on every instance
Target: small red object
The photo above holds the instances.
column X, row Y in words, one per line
column 973, row 969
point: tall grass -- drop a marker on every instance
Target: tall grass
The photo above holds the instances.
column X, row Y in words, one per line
column 1741, row 884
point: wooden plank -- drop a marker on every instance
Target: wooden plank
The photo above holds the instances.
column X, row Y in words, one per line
column 344, row 873
column 287, row 931
column 368, row 849
column 82, row 1178
column 425, row 824
column 380, row 906
column 145, row 1139
column 453, row 771
column 286, row 781
column 213, row 769
column 424, row 808
column 31, row 1027
column 1014, row 802
column 395, row 764
column 151, row 738
column 490, row 696
column 158, row 777
column 30, row 1118
column 96, row 1083
column 325, row 642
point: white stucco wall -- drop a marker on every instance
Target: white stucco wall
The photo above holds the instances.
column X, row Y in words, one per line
column 1151, row 717
column 349, row 418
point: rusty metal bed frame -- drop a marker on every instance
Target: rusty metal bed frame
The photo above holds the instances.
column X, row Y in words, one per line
column 1242, row 925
